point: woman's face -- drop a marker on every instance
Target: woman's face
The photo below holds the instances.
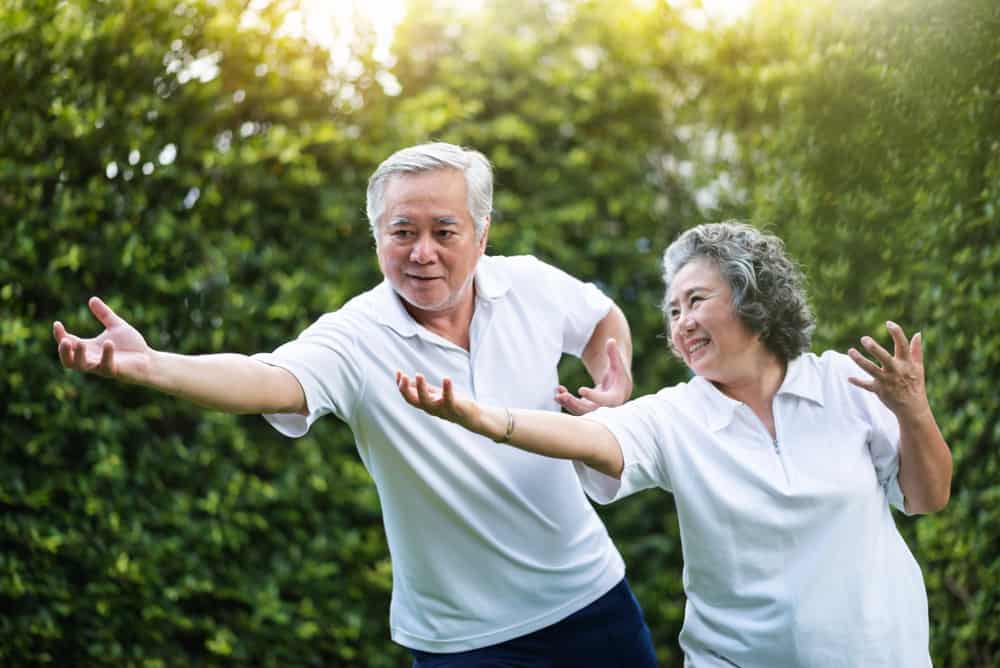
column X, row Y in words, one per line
column 711, row 339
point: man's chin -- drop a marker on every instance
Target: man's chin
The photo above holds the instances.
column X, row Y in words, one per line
column 423, row 303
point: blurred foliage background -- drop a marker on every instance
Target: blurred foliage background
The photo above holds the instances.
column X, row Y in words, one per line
column 202, row 166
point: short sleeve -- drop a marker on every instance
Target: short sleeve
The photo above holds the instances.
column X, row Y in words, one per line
column 583, row 305
column 324, row 361
column 636, row 426
column 883, row 437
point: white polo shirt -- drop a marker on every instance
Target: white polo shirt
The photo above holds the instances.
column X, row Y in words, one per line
column 488, row 542
column 791, row 554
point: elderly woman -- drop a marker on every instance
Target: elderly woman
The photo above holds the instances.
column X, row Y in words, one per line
column 783, row 464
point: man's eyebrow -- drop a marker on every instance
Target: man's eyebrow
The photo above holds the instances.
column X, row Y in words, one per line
column 444, row 220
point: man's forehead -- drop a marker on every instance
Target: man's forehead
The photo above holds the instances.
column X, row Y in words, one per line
column 449, row 175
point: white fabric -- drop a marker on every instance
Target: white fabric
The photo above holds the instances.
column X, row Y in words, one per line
column 791, row 554
column 488, row 543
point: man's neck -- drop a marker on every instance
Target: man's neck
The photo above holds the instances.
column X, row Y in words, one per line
column 453, row 324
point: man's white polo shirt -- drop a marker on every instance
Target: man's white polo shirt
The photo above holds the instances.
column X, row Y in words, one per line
column 488, row 542
column 791, row 554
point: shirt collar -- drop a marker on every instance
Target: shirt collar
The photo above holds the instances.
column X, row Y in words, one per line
column 801, row 380
column 490, row 285
column 719, row 408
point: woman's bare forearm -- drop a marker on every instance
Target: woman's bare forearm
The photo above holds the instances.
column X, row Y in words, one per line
column 554, row 435
column 925, row 465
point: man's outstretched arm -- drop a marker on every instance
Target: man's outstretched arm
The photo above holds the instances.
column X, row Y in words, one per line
column 227, row 382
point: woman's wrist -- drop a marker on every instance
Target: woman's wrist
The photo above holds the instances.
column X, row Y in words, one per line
column 492, row 423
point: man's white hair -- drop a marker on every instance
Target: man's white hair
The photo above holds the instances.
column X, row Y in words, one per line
column 427, row 157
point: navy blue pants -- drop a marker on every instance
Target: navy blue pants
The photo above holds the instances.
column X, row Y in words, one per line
column 608, row 633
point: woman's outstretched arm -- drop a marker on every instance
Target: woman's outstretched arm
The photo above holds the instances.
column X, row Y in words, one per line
column 542, row 432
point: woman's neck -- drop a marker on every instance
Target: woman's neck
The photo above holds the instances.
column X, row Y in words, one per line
column 757, row 384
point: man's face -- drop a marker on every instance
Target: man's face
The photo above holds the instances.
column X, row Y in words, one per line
column 427, row 245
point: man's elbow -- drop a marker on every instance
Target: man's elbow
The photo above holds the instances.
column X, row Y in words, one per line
column 940, row 501
column 929, row 503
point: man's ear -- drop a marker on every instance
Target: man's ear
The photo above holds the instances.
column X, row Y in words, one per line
column 486, row 236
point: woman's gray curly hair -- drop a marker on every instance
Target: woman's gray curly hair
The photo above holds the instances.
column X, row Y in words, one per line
column 768, row 287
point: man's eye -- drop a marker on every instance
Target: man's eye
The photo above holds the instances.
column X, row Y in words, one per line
column 674, row 313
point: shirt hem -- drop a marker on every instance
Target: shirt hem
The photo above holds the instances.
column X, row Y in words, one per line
column 611, row 578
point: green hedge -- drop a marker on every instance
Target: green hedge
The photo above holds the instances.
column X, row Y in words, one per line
column 205, row 173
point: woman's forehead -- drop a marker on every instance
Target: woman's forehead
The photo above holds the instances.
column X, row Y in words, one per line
column 699, row 273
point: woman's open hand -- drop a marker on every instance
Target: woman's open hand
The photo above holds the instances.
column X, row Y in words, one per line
column 898, row 378
column 440, row 402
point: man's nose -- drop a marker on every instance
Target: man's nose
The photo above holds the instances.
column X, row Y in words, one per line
column 423, row 250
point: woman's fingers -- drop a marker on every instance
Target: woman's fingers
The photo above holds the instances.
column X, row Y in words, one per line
column 866, row 364
column 863, row 384
column 876, row 350
column 407, row 389
column 917, row 348
column 448, row 393
column 901, row 347
column 441, row 402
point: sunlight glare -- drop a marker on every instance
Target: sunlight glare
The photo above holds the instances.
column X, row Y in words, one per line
column 324, row 19
column 703, row 13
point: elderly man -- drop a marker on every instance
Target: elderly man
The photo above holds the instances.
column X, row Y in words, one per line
column 498, row 558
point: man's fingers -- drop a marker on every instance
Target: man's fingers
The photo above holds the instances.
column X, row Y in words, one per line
column 615, row 361
column 575, row 405
column 598, row 397
column 107, row 362
column 80, row 355
column 103, row 312
column 66, row 353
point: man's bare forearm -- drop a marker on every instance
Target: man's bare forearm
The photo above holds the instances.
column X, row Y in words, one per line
column 226, row 382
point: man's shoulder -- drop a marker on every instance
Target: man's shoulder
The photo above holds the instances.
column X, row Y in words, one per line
column 356, row 313
column 527, row 271
column 513, row 264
